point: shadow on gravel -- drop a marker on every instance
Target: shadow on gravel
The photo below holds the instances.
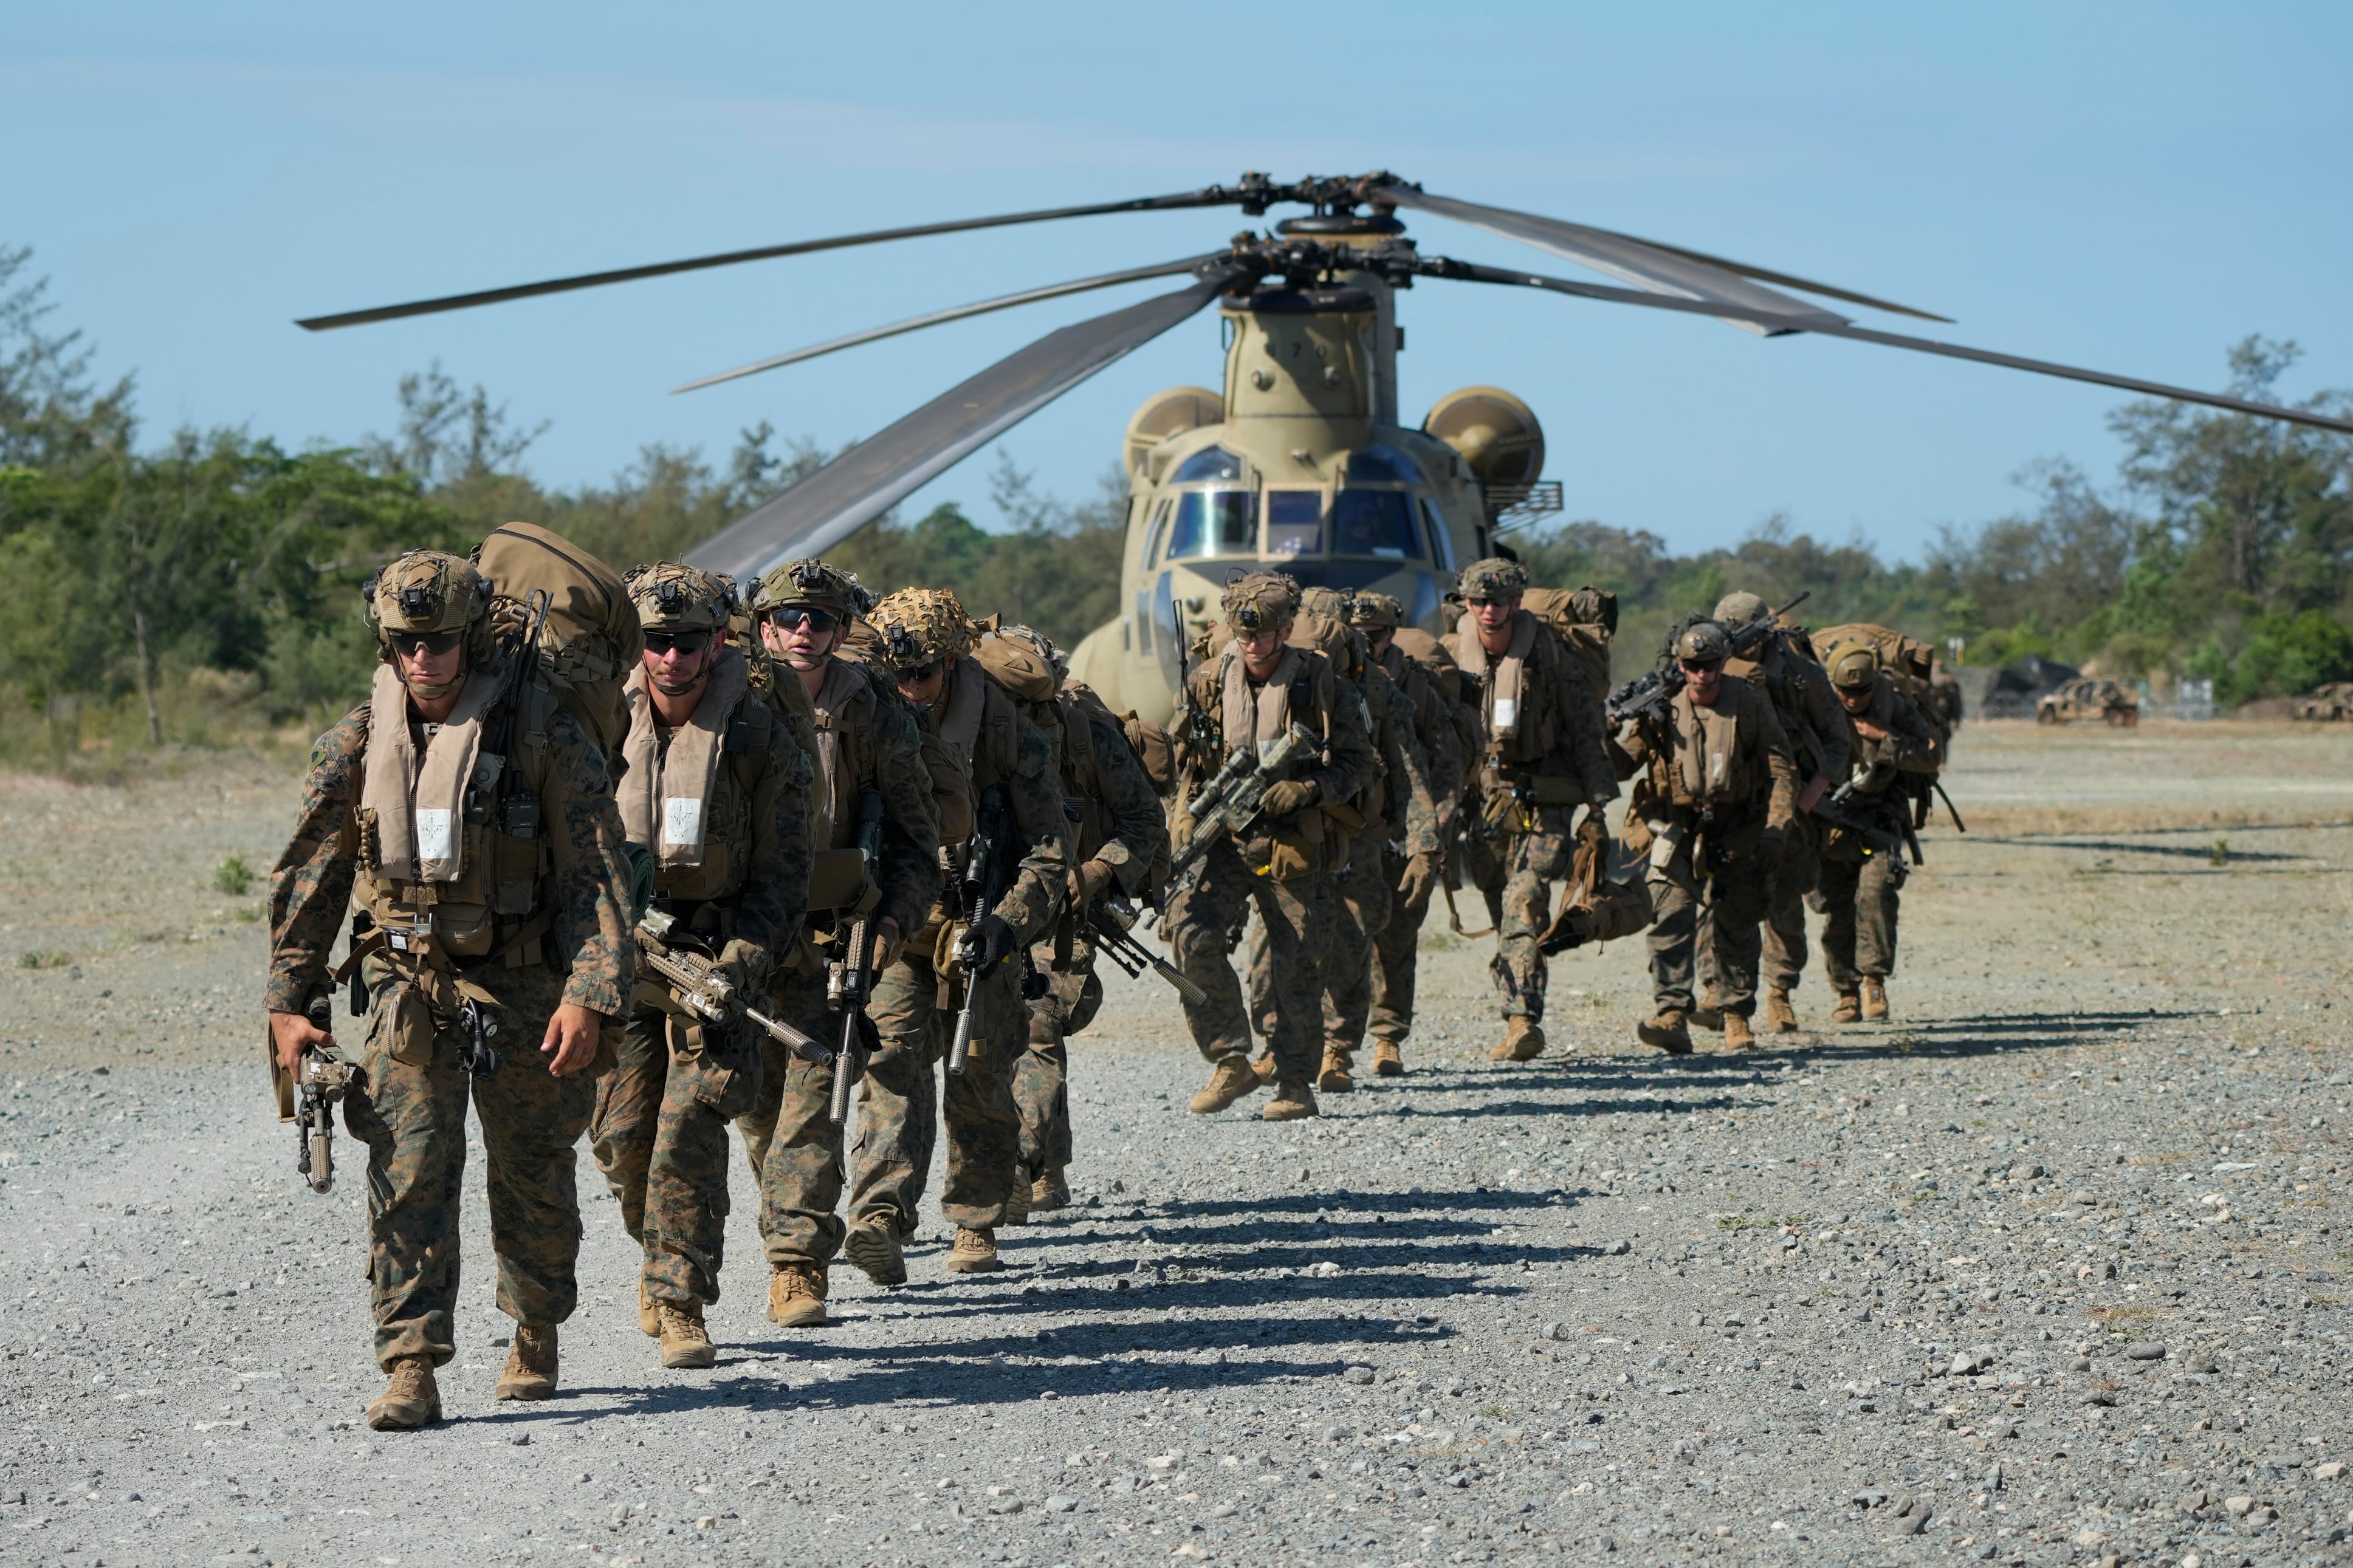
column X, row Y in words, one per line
column 2203, row 851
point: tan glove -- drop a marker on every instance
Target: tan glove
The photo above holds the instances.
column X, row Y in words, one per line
column 1088, row 882
column 1287, row 795
column 1181, row 828
column 889, row 942
column 1421, row 879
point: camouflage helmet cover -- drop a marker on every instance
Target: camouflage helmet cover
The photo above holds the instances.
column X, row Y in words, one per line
column 1375, row 610
column 1493, row 578
column 1739, row 609
column 1257, row 599
column 812, row 582
column 1703, row 642
column 431, row 591
column 673, row 597
column 921, row 626
column 1854, row 669
column 1039, row 643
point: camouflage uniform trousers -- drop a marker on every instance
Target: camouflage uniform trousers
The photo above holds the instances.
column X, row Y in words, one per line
column 1041, row 1078
column 789, row 1137
column 413, row 1121
column 1361, row 901
column 1785, row 916
column 1397, row 955
column 660, row 1135
column 1859, row 900
column 1731, row 907
column 1287, row 970
column 1516, row 873
column 896, row 1129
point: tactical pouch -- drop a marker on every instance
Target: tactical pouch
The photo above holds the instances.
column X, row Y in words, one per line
column 1299, row 851
column 838, row 880
column 719, row 1068
column 403, row 1025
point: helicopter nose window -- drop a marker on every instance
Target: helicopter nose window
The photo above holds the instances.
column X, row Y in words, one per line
column 1294, row 522
column 1214, row 522
column 1372, row 523
column 1378, row 464
column 1209, row 463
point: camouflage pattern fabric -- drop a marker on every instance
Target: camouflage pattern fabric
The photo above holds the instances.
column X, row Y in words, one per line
column 413, row 1121
column 1493, row 578
column 1286, row 970
column 1041, row 1077
column 899, row 1106
column 983, row 1124
column 1861, row 901
column 627, row 1113
column 789, row 1138
column 1735, row 906
column 669, row 1166
column 922, row 626
column 1395, row 957
column 1785, row 916
column 1516, row 873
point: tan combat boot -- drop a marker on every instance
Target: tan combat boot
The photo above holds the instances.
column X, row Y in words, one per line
column 1292, row 1101
column 1874, row 998
column 1848, row 1009
column 1387, row 1060
column 1335, row 1079
column 1668, row 1032
column 648, row 1321
column 531, row 1364
column 797, row 1296
column 1708, row 1015
column 684, row 1340
column 1017, row 1201
column 1049, row 1192
column 1523, row 1041
column 1229, row 1081
column 1737, row 1035
column 974, row 1251
column 410, row 1399
column 873, row 1245
column 1780, row 1018
column 1264, row 1066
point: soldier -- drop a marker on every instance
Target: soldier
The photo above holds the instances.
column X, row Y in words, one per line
column 956, row 961
column 498, row 895
column 1545, row 756
column 1122, row 832
column 1397, row 809
column 1254, row 693
column 868, row 768
column 718, row 795
column 1821, row 741
column 1716, row 801
column 1411, row 877
column 1860, row 891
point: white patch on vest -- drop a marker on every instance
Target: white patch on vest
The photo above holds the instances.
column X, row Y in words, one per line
column 1507, row 715
column 682, row 821
column 1716, row 768
column 434, row 841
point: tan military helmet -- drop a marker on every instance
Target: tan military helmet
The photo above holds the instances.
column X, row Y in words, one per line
column 1703, row 642
column 1493, row 578
column 1737, row 610
column 1376, row 611
column 428, row 591
column 673, row 597
column 1855, row 668
column 813, row 582
column 1253, row 600
column 921, row 626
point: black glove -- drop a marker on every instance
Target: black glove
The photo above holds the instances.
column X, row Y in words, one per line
column 1768, row 848
column 985, row 945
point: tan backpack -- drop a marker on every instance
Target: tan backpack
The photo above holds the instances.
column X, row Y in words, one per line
column 589, row 641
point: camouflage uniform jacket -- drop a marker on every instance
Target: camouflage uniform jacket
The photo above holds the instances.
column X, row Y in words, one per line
column 1911, row 743
column 1822, row 741
column 1730, row 762
column 1434, row 728
column 1350, row 762
column 1006, row 752
column 1561, row 730
column 1120, row 819
column 583, row 891
column 1408, row 806
column 866, row 738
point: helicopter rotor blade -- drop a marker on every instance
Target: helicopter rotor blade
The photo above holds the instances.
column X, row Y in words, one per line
column 1779, row 325
column 955, row 313
column 864, row 482
column 1658, row 269
column 1213, row 195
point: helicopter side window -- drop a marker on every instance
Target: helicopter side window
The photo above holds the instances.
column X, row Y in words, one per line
column 1152, row 536
column 1442, row 543
column 1209, row 463
column 1294, row 522
column 1214, row 522
column 1372, row 523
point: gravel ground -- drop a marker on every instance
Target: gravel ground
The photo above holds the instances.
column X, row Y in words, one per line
column 2048, row 1271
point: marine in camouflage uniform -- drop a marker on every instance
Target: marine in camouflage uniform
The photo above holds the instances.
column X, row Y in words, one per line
column 1400, row 822
column 1254, row 692
column 1122, row 832
column 868, row 753
column 1860, row 891
column 1713, row 809
column 1546, row 755
column 1421, row 669
column 953, row 958
column 716, row 795
column 1821, row 743
column 499, row 897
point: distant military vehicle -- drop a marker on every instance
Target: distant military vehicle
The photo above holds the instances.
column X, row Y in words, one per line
column 2087, row 697
column 2330, row 704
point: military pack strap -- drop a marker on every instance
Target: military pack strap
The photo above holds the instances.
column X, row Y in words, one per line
column 965, row 704
column 419, row 807
column 665, row 794
column 1253, row 719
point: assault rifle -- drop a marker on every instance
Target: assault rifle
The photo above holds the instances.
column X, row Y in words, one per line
column 320, row 1078
column 695, row 981
column 518, row 810
column 987, row 870
column 1113, row 921
column 1651, row 691
column 850, row 983
column 1229, row 802
column 1867, row 817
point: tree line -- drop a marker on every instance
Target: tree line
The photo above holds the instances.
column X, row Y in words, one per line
column 206, row 584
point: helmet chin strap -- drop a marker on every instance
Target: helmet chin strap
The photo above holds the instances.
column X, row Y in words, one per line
column 667, row 689
column 799, row 659
column 432, row 691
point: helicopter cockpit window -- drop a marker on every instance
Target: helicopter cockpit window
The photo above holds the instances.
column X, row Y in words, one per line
column 1378, row 464
column 1294, row 522
column 1209, row 463
column 1214, row 522
column 1442, row 543
column 1372, row 523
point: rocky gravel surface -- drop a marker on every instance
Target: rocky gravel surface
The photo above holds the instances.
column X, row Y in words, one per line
column 2049, row 1269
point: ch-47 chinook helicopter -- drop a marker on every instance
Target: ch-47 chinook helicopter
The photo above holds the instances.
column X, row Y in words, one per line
column 1301, row 461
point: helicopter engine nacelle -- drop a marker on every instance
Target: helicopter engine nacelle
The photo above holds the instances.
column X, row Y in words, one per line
column 1495, row 434
column 1165, row 415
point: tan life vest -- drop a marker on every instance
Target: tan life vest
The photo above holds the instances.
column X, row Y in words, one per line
column 676, row 799
column 1517, row 731
column 1708, row 769
column 1297, row 691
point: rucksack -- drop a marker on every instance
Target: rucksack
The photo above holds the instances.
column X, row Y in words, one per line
column 1588, row 647
column 590, row 640
column 1898, row 655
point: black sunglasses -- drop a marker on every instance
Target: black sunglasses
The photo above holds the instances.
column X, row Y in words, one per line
column 920, row 674
column 1701, row 666
column 685, row 642
column 819, row 621
column 406, row 644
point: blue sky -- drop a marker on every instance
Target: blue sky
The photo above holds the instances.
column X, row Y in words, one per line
column 2131, row 187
